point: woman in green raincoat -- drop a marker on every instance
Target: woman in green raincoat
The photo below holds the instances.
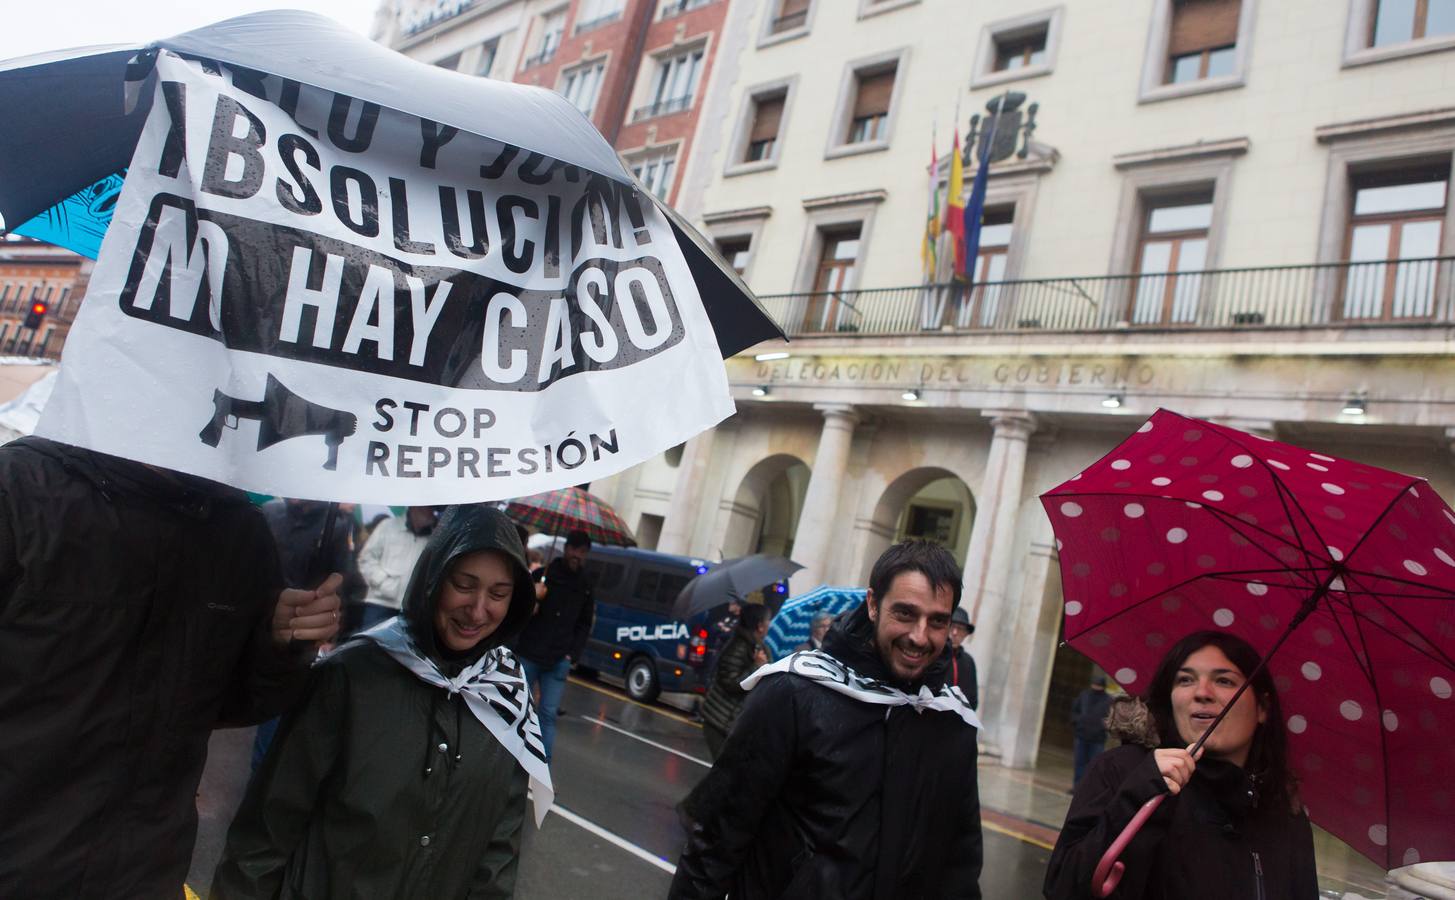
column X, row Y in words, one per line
column 404, row 771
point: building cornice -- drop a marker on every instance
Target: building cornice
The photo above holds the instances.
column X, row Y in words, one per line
column 856, row 198
column 737, row 215
column 1202, row 149
column 1430, row 118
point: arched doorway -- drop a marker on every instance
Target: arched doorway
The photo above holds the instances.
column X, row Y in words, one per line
column 763, row 516
column 928, row 502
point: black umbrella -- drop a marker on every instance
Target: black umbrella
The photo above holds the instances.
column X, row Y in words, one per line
column 731, row 580
column 68, row 125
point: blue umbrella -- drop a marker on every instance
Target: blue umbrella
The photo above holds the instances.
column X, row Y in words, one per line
column 790, row 627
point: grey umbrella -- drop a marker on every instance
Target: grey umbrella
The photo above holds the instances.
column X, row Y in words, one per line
column 69, row 124
column 731, row 580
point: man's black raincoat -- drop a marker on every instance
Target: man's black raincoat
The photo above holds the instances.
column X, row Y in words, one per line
column 381, row 785
column 821, row 796
column 135, row 609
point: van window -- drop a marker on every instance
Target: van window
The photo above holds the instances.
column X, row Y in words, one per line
column 645, row 596
column 669, row 588
column 605, row 575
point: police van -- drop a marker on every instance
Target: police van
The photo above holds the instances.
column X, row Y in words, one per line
column 635, row 637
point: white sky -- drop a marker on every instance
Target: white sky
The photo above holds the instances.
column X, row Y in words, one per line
column 36, row 27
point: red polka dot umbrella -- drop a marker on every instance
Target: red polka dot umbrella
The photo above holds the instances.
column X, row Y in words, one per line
column 1341, row 574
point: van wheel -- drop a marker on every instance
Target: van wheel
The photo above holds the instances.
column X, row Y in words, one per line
column 641, row 680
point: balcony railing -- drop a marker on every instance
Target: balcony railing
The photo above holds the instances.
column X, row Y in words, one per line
column 539, row 59
column 1395, row 292
column 598, row 22
column 662, row 108
column 672, row 10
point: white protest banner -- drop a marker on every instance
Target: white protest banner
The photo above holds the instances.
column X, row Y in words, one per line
column 308, row 295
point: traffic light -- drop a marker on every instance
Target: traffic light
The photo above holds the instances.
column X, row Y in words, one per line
column 38, row 309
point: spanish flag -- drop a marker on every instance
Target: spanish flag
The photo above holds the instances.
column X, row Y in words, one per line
column 955, row 206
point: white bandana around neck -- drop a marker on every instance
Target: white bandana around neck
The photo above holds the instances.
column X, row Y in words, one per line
column 821, row 668
column 495, row 690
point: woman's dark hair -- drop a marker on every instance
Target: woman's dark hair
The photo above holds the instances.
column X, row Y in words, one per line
column 1268, row 756
column 752, row 616
column 929, row 559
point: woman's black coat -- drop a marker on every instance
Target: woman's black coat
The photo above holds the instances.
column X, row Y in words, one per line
column 382, row 785
column 1209, row 842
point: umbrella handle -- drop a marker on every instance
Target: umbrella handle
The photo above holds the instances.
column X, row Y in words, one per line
column 1109, row 871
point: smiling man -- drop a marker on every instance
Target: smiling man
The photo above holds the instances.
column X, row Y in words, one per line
column 845, row 776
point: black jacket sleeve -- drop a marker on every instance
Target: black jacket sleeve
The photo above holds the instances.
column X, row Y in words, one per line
column 962, row 877
column 1111, row 791
column 269, row 679
column 585, row 618
column 735, row 664
column 735, row 796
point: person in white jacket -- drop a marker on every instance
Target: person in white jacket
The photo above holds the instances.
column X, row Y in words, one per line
column 388, row 558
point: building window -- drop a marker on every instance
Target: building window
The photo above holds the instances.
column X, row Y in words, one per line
column 64, row 310
column 1020, row 51
column 790, row 15
column 553, row 28
column 1400, row 21
column 451, row 62
column 735, row 251
column 582, row 85
column 869, row 121
column 488, row 52
column 981, row 306
column 1203, row 40
column 593, row 14
column 655, row 170
column 44, row 345
column 674, row 8
column 4, row 330
column 767, row 121
column 674, row 84
column 1174, row 240
column 825, row 309
column 4, row 296
column 1396, row 223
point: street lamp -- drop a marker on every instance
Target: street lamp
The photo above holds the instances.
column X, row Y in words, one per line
column 1112, row 401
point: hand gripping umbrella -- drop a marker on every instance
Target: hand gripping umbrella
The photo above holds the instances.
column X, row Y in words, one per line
column 731, row 580
column 1341, row 574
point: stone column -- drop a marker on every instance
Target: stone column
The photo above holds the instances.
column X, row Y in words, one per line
column 819, row 524
column 686, row 502
column 988, row 560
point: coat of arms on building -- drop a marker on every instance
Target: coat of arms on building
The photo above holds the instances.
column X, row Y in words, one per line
column 1004, row 131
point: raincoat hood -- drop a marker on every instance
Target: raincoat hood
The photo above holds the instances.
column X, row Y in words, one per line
column 463, row 530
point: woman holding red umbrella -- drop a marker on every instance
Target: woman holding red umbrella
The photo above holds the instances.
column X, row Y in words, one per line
column 1234, row 826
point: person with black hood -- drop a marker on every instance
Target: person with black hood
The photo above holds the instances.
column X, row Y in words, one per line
column 404, row 772
column 845, row 776
column 139, row 609
column 743, row 653
column 1234, row 825
column 555, row 636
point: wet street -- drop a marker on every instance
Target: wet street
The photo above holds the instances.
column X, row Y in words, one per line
column 620, row 768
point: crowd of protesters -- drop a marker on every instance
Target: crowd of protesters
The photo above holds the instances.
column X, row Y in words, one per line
column 141, row 608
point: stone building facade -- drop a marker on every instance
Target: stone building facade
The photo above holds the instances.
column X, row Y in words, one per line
column 1237, row 210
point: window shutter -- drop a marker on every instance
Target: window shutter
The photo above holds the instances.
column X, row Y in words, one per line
column 874, row 91
column 766, row 119
column 1199, row 25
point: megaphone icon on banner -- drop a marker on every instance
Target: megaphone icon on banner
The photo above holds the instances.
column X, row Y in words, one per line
column 281, row 415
